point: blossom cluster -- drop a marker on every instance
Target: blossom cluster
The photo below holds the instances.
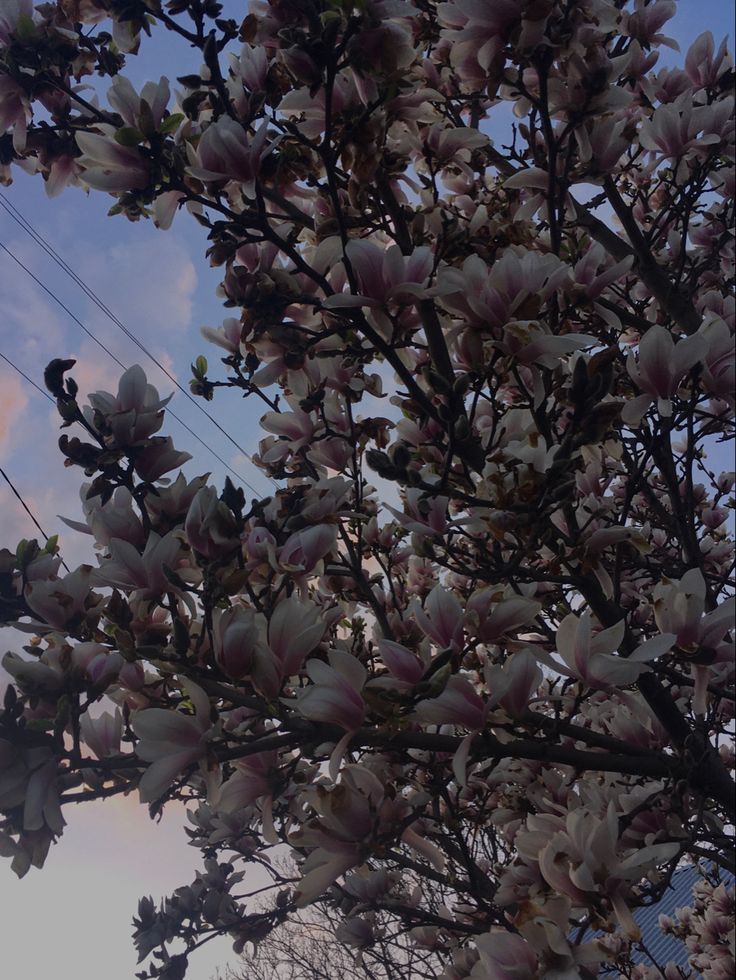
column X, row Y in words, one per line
column 473, row 659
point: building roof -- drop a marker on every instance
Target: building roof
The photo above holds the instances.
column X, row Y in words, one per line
column 661, row 947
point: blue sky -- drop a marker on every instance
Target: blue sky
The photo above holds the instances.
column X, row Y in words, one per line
column 162, row 289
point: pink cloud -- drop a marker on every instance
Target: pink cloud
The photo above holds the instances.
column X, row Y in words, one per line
column 149, row 285
column 13, row 402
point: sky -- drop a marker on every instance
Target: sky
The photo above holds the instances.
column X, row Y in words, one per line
column 161, row 288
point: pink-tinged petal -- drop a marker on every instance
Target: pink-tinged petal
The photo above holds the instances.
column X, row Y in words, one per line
column 337, row 755
column 294, row 630
column 102, row 180
column 333, row 696
column 460, row 760
column 714, row 626
column 165, row 207
column 227, row 336
column 393, row 267
column 230, row 142
column 330, row 699
column 699, row 53
column 41, row 790
column 105, row 151
column 125, row 566
column 327, row 254
column 402, row 663
column 124, row 99
column 344, row 300
column 610, row 639
column 679, row 607
column 102, row 734
column 634, row 410
column 297, row 425
column 258, row 147
column 609, row 276
column 651, row 649
column 366, row 783
column 304, row 549
column 506, row 956
column 266, row 676
column 419, row 264
column 693, row 583
column 324, row 674
column 366, row 260
column 546, row 349
column 160, row 729
column 606, row 537
column 644, row 858
column 350, row 668
column 445, row 622
column 281, row 626
column 719, row 363
column 157, row 96
column 241, row 789
column 458, row 704
column 508, row 615
column 686, row 355
column 57, row 601
column 531, row 177
column 573, row 642
column 711, row 68
column 160, row 775
column 655, row 362
column 132, row 388
column 319, row 879
column 525, row 677
column 61, row 172
column 199, row 699
column 424, row 847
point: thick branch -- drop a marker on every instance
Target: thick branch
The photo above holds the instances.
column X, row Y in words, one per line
column 488, row 747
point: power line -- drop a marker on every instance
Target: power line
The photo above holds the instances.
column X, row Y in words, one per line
column 99, row 343
column 27, row 509
column 29, row 380
column 61, row 304
column 19, row 219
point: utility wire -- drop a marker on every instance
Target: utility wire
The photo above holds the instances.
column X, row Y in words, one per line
column 19, row 219
column 99, row 343
column 29, row 380
column 62, row 305
column 27, row 509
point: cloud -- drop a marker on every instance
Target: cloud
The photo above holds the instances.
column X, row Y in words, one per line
column 164, row 358
column 30, row 325
column 13, row 402
column 148, row 285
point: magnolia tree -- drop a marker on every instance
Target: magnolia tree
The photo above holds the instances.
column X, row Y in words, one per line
column 490, row 717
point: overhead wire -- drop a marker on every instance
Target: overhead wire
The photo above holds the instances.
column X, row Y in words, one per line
column 27, row 509
column 24, row 375
column 59, row 302
column 117, row 360
column 2, row 471
column 23, row 222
